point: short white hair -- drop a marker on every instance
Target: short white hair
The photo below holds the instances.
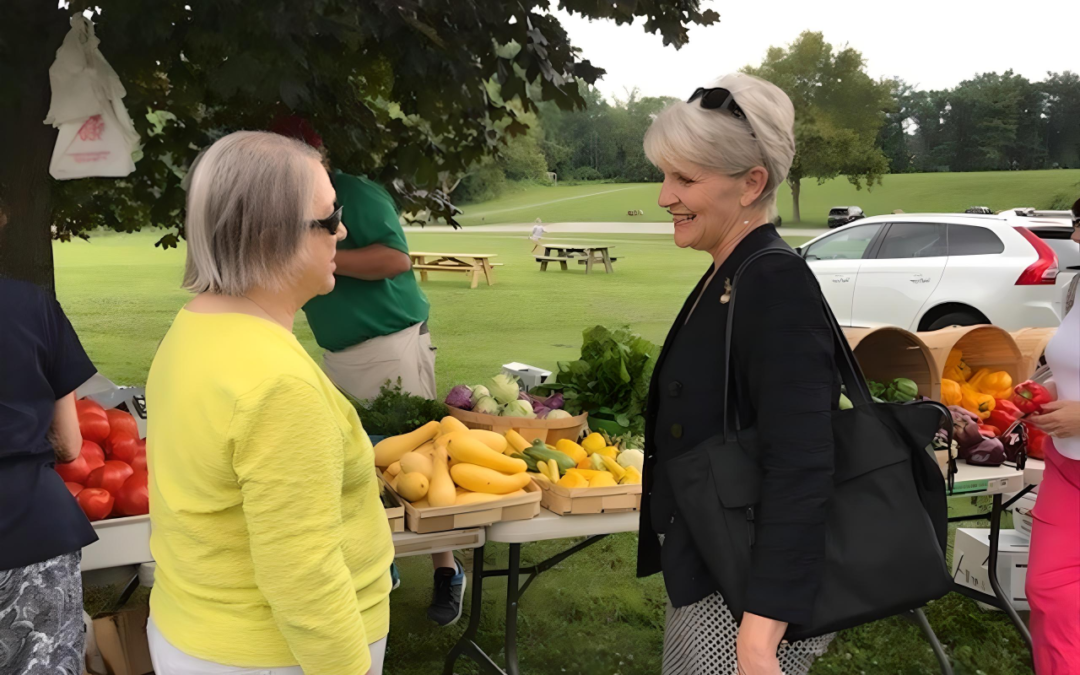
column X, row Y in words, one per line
column 249, row 207
column 717, row 141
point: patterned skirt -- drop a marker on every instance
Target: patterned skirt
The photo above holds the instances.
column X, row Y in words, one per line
column 699, row 639
column 41, row 618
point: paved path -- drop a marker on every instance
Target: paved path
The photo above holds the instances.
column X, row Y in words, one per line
column 591, row 228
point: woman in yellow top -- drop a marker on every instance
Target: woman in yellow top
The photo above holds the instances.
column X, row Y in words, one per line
column 273, row 550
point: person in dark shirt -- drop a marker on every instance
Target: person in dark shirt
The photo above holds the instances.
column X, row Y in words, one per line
column 42, row 529
column 725, row 153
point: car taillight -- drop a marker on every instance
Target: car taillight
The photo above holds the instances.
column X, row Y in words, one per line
column 1044, row 271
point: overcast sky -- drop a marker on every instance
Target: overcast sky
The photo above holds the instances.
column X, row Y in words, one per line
column 933, row 45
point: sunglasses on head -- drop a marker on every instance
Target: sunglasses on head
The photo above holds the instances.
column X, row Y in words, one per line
column 329, row 223
column 719, row 98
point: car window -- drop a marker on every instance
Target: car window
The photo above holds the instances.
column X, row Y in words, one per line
column 914, row 240
column 849, row 244
column 972, row 240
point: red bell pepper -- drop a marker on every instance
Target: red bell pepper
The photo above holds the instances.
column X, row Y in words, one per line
column 1037, row 441
column 1030, row 397
column 1004, row 415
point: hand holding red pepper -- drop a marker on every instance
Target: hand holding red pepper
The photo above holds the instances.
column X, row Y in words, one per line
column 1030, row 397
column 1060, row 419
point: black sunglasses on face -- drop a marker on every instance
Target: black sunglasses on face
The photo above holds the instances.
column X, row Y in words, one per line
column 721, row 99
column 330, row 223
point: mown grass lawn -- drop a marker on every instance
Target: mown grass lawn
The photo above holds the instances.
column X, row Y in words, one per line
column 927, row 192
column 589, row 615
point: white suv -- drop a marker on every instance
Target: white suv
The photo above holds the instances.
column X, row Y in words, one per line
column 928, row 271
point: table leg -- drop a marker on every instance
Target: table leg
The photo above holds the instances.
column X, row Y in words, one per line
column 607, row 261
column 995, row 532
column 513, row 597
column 588, row 262
column 476, row 272
column 419, row 260
column 466, row 646
column 562, row 265
column 918, row 617
column 489, row 272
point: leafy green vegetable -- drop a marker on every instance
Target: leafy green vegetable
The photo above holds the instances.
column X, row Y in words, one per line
column 610, row 379
column 394, row 412
column 901, row 390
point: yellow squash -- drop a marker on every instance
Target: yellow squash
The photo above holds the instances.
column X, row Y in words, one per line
column 573, row 480
column 481, row 497
column 593, row 442
column 442, row 491
column 416, row 462
column 412, row 486
column 614, row 467
column 516, row 441
column 482, row 479
column 469, row 450
column 632, row 477
column 571, row 450
column 390, row 450
column 450, row 424
column 602, row 479
column 496, row 442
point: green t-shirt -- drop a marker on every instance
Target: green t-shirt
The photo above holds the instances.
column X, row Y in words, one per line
column 358, row 310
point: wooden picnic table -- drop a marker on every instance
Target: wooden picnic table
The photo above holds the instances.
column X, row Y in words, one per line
column 474, row 264
column 585, row 253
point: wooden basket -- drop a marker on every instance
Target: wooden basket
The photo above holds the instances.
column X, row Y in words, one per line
column 549, row 431
column 887, row 353
column 983, row 347
column 1032, row 343
column 578, row 501
column 441, row 519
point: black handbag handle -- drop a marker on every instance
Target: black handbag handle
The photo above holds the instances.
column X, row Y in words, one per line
column 850, row 372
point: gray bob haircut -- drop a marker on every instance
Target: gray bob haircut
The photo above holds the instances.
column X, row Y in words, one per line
column 249, row 208
column 717, row 141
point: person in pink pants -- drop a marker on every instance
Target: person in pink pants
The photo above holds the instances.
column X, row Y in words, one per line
column 1053, row 576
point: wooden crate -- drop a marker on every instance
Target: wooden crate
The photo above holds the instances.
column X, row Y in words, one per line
column 983, row 347
column 887, row 353
column 441, row 519
column 579, row 501
column 395, row 514
column 1032, row 343
column 550, row 431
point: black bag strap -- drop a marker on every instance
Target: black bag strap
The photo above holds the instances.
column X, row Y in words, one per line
column 850, row 372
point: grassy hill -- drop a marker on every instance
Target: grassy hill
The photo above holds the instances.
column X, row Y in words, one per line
column 949, row 192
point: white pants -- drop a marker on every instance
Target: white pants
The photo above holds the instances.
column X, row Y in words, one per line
column 361, row 370
column 168, row 660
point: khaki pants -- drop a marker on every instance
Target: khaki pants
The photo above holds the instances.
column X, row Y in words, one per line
column 361, row 371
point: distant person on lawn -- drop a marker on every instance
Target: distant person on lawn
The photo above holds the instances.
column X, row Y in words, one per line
column 272, row 546
column 373, row 325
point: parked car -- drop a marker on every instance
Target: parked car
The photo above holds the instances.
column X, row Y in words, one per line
column 929, row 271
column 842, row 215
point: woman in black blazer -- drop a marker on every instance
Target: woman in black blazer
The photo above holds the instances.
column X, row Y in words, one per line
column 724, row 154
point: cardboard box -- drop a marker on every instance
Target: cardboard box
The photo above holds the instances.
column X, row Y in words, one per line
column 121, row 641
column 578, row 501
column 971, row 556
column 530, row 376
column 523, row 507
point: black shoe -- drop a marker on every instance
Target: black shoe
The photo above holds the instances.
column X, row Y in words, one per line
column 446, row 601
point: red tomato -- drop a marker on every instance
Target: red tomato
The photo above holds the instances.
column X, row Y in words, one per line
column 122, row 446
column 134, row 498
column 74, row 488
column 122, row 421
column 86, row 406
column 139, row 463
column 93, row 453
column 76, row 471
column 95, row 503
column 94, row 426
column 110, row 476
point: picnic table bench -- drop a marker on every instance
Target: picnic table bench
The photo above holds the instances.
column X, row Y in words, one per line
column 475, row 265
column 586, row 254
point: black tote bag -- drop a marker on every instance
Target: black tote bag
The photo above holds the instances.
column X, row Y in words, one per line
column 886, row 524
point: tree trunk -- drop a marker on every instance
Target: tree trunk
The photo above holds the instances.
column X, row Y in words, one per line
column 25, row 183
column 796, row 215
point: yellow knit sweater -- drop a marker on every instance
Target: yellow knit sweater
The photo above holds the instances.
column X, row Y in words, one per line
column 271, row 543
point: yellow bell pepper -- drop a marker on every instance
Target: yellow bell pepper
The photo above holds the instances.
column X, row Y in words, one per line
column 977, row 402
column 955, row 367
column 997, row 384
column 593, row 442
column 951, row 393
column 571, row 449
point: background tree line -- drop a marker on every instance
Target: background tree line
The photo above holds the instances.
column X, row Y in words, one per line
column 846, row 124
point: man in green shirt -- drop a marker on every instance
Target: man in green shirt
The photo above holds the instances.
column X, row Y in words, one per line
column 373, row 325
